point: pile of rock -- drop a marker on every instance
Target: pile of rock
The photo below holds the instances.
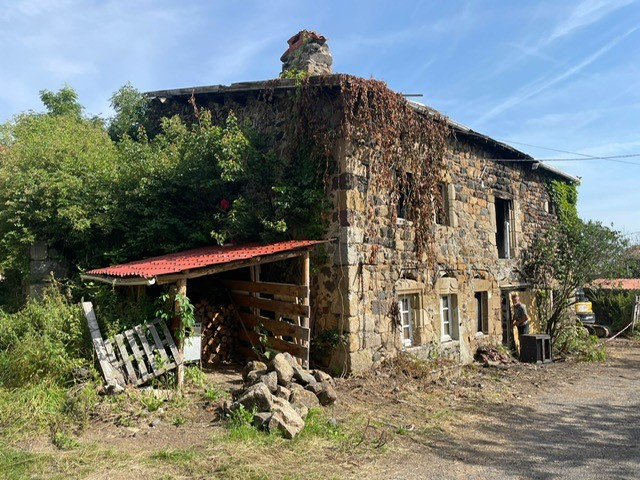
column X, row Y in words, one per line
column 282, row 393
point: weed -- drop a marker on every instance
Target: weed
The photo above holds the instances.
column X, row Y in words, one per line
column 213, row 393
column 240, row 417
column 178, row 421
column 194, row 376
column 65, row 441
column 150, row 401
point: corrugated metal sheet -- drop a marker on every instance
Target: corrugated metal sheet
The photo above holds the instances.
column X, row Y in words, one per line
column 616, row 284
column 198, row 258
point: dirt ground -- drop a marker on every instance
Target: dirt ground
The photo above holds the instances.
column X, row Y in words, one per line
column 562, row 420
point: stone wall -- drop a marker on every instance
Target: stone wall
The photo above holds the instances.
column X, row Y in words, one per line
column 357, row 280
column 44, row 264
column 382, row 265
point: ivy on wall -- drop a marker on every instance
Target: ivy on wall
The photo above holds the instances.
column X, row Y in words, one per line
column 404, row 149
column 564, row 197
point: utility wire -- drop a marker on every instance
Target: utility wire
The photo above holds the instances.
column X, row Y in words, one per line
column 582, row 159
column 586, row 156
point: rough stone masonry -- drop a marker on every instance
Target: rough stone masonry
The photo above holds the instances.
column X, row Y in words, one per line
column 308, row 52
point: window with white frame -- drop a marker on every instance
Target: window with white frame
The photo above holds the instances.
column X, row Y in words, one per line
column 482, row 312
column 408, row 310
column 448, row 318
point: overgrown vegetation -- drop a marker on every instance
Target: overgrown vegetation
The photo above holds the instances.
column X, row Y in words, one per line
column 569, row 256
column 613, row 308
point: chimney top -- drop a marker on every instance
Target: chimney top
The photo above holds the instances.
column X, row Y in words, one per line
column 307, row 52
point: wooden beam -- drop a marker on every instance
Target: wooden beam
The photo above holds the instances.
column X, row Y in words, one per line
column 111, row 375
column 271, row 305
column 298, row 291
column 119, row 281
column 277, row 327
column 306, row 281
column 275, row 343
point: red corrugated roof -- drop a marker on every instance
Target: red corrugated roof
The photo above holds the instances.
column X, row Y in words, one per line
column 616, row 283
column 198, row 258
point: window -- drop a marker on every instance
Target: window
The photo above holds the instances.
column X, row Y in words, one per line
column 443, row 216
column 482, row 312
column 408, row 309
column 504, row 228
column 402, row 209
column 448, row 318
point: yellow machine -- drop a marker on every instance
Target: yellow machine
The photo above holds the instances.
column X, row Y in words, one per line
column 584, row 312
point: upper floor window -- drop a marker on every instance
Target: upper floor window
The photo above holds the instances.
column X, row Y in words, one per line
column 443, row 215
column 404, row 187
column 505, row 236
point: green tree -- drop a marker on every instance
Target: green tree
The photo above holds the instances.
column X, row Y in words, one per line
column 570, row 255
column 57, row 174
column 131, row 107
column 62, row 102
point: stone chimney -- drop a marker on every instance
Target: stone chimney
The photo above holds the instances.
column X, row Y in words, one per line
column 307, row 52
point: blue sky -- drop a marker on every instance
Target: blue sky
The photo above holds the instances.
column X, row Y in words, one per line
column 558, row 74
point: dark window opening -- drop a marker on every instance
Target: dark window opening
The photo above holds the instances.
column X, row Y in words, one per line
column 504, row 228
column 482, row 312
column 442, row 205
column 404, row 196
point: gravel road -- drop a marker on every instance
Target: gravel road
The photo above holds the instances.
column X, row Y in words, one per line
column 581, row 427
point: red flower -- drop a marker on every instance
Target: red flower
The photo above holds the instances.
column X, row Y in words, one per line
column 224, row 204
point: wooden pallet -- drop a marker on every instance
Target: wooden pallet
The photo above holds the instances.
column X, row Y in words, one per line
column 135, row 356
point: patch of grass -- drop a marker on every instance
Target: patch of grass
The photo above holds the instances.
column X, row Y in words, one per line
column 65, row 441
column 175, row 457
column 32, row 409
column 15, row 464
column 318, row 425
column 63, row 465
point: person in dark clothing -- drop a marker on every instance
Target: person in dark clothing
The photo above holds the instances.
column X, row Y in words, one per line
column 520, row 317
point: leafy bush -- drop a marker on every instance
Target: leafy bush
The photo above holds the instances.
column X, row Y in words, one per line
column 613, row 308
column 576, row 341
column 45, row 340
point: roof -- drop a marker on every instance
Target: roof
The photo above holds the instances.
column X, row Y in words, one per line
column 290, row 84
column 190, row 263
column 616, row 284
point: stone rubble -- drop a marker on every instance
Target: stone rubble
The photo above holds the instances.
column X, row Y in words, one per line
column 282, row 393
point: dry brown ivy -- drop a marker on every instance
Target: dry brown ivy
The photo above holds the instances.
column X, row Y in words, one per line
column 408, row 146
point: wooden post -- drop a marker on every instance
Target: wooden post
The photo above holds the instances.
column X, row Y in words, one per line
column 181, row 288
column 306, row 281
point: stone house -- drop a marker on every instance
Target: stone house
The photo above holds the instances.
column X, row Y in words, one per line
column 374, row 294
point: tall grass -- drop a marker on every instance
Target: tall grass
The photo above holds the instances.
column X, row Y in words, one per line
column 41, row 346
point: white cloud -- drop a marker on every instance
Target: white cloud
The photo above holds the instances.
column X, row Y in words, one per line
column 586, row 13
column 537, row 86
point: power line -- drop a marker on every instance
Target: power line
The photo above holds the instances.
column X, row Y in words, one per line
column 613, row 158
column 545, row 148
